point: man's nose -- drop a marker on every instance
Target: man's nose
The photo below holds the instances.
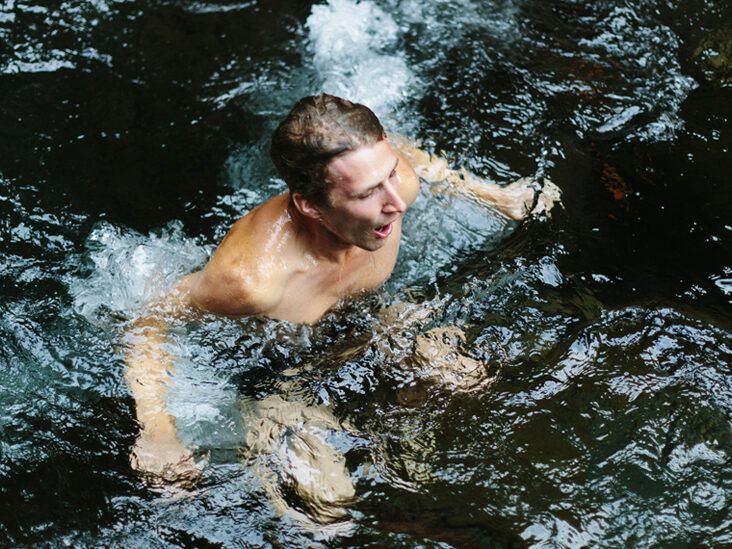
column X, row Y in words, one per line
column 394, row 202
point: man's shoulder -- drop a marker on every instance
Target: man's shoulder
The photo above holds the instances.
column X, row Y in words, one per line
column 235, row 290
column 244, row 277
column 409, row 179
column 252, row 237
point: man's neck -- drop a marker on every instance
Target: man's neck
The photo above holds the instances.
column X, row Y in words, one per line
column 318, row 241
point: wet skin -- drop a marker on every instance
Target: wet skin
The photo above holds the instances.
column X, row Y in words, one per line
column 293, row 259
column 290, row 259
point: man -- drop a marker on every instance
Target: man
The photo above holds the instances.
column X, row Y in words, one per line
column 334, row 234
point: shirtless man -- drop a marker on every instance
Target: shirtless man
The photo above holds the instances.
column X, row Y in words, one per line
column 335, row 233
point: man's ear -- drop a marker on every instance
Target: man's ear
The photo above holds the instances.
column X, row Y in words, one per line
column 306, row 206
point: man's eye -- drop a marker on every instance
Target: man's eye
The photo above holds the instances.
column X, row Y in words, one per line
column 366, row 194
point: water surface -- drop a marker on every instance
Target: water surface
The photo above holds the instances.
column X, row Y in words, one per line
column 133, row 133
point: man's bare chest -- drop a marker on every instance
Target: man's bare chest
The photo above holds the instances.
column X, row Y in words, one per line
column 314, row 289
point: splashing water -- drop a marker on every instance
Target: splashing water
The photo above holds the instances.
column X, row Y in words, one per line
column 130, row 270
column 70, row 20
column 356, row 55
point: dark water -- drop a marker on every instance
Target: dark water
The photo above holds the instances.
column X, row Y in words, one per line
column 133, row 133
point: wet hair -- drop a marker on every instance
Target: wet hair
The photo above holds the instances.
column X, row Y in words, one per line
column 319, row 128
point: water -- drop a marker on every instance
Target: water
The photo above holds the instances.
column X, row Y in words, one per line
column 134, row 133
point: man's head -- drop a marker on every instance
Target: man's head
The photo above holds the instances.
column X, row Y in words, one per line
column 318, row 129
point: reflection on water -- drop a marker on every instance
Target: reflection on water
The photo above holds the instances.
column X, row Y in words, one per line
column 560, row 383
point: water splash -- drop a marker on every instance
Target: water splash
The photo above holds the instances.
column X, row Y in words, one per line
column 356, row 55
column 129, row 270
column 73, row 19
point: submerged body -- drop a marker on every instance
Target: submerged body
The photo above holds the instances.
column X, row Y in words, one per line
column 291, row 259
column 336, row 233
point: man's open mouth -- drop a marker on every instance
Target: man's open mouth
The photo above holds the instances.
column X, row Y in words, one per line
column 384, row 230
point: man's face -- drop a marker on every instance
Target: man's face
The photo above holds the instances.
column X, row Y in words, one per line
column 364, row 196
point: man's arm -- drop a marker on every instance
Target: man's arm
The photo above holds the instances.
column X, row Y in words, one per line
column 514, row 201
column 149, row 365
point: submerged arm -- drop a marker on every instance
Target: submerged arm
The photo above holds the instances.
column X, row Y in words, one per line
column 149, row 367
column 515, row 201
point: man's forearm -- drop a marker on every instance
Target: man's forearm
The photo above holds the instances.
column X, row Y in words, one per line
column 514, row 201
column 148, row 371
column 148, row 363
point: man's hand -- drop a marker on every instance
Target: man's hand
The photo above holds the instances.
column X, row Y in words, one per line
column 164, row 458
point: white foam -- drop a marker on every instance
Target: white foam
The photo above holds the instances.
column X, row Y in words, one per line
column 342, row 27
column 52, row 65
column 724, row 284
column 356, row 55
column 131, row 269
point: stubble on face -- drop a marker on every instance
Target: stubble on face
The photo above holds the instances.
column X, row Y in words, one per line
column 356, row 203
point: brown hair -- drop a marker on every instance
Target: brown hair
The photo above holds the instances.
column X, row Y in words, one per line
column 319, row 128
